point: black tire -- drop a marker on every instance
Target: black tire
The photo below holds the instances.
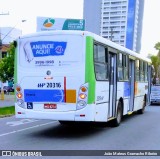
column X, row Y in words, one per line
column 65, row 122
column 141, row 111
column 69, row 123
column 116, row 122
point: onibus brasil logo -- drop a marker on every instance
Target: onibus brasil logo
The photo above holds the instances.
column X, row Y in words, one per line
column 49, row 22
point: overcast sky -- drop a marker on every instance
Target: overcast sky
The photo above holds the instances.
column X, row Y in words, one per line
column 30, row 9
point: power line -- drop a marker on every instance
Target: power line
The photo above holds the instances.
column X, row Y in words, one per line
column 11, row 30
column 2, row 13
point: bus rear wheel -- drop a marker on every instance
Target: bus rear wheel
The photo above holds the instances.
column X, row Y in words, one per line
column 141, row 111
column 67, row 123
column 116, row 122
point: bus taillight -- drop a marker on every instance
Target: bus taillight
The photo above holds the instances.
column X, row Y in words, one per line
column 82, row 96
column 18, row 88
column 83, row 89
column 19, row 95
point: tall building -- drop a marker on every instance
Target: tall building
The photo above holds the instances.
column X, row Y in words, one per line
column 117, row 20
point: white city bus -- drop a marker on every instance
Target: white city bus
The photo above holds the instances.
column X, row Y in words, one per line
column 73, row 76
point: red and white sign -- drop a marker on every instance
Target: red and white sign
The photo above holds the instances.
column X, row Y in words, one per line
column 50, row 106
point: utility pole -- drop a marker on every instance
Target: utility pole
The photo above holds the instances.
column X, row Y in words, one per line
column 2, row 91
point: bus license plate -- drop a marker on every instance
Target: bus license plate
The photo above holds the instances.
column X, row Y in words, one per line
column 50, row 106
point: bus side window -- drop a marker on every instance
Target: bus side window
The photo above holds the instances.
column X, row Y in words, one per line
column 146, row 72
column 100, row 65
column 137, row 70
column 142, row 70
column 120, row 70
column 125, row 67
column 95, row 52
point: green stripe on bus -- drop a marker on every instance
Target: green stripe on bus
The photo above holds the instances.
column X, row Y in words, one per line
column 89, row 70
column 15, row 66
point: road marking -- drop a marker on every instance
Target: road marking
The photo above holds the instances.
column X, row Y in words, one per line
column 21, row 122
column 13, row 132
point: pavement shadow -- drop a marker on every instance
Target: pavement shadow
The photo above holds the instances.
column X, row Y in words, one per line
column 80, row 130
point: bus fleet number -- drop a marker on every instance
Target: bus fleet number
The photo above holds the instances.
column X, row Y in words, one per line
column 49, row 85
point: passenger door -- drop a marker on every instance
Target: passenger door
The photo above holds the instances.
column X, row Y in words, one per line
column 112, row 82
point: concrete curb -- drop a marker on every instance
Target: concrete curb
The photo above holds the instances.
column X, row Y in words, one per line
column 9, row 115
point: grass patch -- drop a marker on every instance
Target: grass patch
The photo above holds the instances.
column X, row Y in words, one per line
column 11, row 93
column 7, row 111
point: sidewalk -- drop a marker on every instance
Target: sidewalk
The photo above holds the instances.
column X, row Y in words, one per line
column 8, row 101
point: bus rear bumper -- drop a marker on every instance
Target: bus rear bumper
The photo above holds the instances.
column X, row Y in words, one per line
column 85, row 114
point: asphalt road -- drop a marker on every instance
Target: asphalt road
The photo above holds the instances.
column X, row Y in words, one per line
column 136, row 132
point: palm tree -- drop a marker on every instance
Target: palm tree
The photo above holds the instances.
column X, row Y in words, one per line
column 157, row 47
column 156, row 60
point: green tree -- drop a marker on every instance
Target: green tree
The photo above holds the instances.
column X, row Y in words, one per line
column 157, row 46
column 155, row 62
column 7, row 64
